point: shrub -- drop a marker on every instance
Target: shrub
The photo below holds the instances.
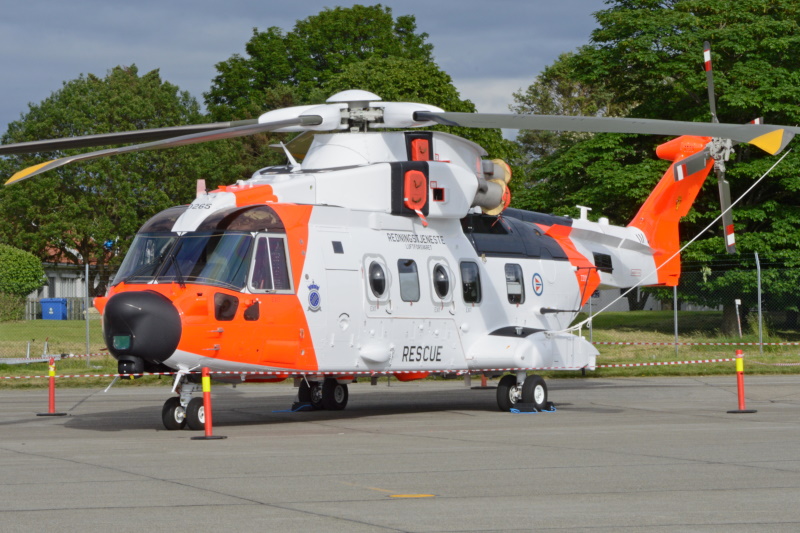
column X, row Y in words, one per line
column 21, row 273
column 12, row 307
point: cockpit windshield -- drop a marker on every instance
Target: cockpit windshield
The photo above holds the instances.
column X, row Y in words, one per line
column 215, row 259
column 219, row 258
column 218, row 253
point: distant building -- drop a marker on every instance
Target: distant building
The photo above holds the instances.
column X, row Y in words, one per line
column 64, row 280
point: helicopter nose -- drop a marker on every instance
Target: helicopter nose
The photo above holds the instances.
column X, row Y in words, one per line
column 141, row 325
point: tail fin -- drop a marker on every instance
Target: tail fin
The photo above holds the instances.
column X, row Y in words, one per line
column 671, row 200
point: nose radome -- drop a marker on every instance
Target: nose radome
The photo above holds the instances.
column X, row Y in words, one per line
column 142, row 324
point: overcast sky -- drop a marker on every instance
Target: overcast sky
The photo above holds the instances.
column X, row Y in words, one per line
column 491, row 48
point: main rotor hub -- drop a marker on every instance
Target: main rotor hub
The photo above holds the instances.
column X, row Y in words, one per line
column 359, row 113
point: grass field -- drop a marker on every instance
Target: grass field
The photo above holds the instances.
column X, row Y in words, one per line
column 637, row 327
column 693, row 327
column 61, row 336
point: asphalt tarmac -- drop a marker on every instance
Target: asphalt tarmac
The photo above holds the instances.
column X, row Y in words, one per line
column 650, row 454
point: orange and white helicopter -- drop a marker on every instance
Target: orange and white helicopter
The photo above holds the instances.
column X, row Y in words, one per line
column 382, row 253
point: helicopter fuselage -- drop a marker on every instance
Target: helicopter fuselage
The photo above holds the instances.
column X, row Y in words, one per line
column 345, row 279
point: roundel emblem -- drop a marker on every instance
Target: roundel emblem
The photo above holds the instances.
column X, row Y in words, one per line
column 314, row 298
column 538, row 284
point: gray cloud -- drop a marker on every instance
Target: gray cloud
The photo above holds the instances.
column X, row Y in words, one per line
column 490, row 48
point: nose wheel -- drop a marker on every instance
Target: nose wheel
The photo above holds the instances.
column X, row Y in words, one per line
column 196, row 414
column 173, row 414
column 183, row 410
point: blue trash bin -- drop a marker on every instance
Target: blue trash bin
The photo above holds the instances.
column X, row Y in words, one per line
column 54, row 308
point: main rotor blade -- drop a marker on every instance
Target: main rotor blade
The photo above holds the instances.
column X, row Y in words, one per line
column 123, row 137
column 184, row 140
column 770, row 138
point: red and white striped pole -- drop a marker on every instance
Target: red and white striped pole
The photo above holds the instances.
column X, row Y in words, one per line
column 51, row 403
column 206, row 381
column 740, row 383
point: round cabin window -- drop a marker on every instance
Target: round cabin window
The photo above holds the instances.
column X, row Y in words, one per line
column 377, row 279
column 441, row 281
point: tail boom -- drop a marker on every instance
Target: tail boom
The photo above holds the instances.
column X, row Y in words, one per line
column 670, row 201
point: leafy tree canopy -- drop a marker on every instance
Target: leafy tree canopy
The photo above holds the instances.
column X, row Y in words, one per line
column 646, row 58
column 558, row 91
column 88, row 212
column 279, row 64
column 360, row 47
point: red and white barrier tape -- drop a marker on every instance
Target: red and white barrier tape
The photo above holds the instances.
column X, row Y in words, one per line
column 371, row 373
column 290, row 373
column 612, row 343
column 668, row 363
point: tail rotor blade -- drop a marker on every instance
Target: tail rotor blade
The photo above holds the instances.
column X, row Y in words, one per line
column 719, row 164
column 712, row 102
column 727, row 215
column 691, row 165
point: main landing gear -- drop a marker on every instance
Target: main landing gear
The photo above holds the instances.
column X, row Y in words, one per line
column 513, row 389
column 328, row 394
column 183, row 410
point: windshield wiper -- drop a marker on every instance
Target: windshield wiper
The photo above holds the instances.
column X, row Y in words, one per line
column 178, row 274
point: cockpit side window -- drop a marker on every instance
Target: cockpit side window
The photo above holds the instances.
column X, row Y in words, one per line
column 270, row 270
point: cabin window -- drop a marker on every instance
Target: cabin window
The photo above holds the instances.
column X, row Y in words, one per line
column 408, row 278
column 225, row 306
column 441, row 281
column 377, row 279
column 470, row 282
column 514, row 284
column 270, row 271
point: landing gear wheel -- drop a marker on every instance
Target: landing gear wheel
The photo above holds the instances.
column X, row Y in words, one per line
column 534, row 390
column 334, row 395
column 508, row 392
column 196, row 414
column 173, row 414
column 310, row 392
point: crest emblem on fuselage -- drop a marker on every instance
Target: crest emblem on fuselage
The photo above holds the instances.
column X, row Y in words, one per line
column 314, row 297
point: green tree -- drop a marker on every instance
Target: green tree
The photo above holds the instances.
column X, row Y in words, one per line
column 557, row 91
column 648, row 55
column 360, row 47
column 89, row 212
column 281, row 69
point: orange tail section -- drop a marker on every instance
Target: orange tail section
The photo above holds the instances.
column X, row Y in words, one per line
column 670, row 201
